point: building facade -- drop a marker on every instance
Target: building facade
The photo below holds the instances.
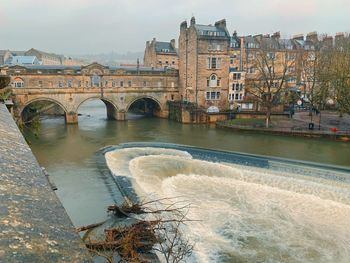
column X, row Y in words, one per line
column 204, row 64
column 161, row 54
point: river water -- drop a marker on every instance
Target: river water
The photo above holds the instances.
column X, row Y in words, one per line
column 68, row 154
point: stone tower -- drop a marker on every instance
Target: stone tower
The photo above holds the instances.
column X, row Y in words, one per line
column 204, row 63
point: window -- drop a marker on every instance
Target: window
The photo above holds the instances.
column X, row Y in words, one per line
column 122, row 84
column 291, row 69
column 40, row 83
column 237, row 86
column 19, row 83
column 214, row 63
column 236, row 76
column 208, row 82
column 69, row 83
column 291, row 80
column 129, row 83
column 60, row 84
column 271, row 55
column 159, row 62
column 240, row 96
column 218, row 82
column 208, row 95
column 236, row 96
column 232, row 61
column 144, row 83
column 218, row 64
column 79, row 83
column 251, row 70
column 113, row 84
column 213, row 81
column 96, row 80
column 217, row 95
column 212, row 95
column 233, row 86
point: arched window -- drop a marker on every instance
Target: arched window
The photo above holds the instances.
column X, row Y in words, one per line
column 18, row 83
column 96, row 80
column 213, row 81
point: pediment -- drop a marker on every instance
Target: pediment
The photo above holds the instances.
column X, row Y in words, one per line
column 95, row 69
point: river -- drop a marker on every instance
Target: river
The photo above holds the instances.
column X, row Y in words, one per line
column 68, row 152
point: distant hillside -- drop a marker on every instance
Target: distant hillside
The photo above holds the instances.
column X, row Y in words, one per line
column 112, row 58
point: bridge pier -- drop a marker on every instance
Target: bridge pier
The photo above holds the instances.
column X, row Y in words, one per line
column 71, row 117
column 121, row 116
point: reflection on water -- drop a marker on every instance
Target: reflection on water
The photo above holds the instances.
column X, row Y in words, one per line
column 68, row 152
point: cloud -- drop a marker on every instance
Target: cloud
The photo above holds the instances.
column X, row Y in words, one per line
column 92, row 26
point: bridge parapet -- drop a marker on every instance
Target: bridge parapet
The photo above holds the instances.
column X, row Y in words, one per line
column 69, row 87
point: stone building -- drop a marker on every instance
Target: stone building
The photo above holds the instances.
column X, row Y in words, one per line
column 237, row 73
column 44, row 57
column 204, row 63
column 70, row 86
column 161, row 54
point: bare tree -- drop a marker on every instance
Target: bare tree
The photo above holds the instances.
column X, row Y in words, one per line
column 269, row 83
column 339, row 74
column 161, row 233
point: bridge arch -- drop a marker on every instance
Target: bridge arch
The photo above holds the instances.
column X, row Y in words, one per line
column 151, row 104
column 111, row 107
column 28, row 103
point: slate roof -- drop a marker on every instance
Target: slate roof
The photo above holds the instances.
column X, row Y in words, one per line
column 164, row 47
column 23, row 60
column 78, row 68
column 211, row 31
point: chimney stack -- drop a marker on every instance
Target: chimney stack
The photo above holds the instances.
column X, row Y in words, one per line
column 193, row 21
column 172, row 43
column 312, row 36
column 221, row 24
column 298, row 37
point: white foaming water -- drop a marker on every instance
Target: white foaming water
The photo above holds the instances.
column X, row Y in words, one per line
column 247, row 214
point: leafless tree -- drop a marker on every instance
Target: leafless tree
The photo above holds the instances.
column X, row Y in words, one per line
column 269, row 83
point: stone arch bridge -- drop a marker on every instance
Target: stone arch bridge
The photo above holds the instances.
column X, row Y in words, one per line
column 70, row 86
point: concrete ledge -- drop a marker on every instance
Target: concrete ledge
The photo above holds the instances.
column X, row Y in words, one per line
column 287, row 132
column 34, row 226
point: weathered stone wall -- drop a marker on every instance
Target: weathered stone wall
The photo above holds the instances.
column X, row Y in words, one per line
column 69, row 88
column 34, row 226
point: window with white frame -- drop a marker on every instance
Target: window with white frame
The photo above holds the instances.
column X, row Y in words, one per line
column 213, row 63
column 213, row 81
column 18, row 83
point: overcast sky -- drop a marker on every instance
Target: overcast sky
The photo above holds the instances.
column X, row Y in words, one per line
column 97, row 26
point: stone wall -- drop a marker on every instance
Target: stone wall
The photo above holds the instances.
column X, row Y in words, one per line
column 34, row 226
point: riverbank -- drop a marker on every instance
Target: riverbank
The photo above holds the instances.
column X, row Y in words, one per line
column 330, row 127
